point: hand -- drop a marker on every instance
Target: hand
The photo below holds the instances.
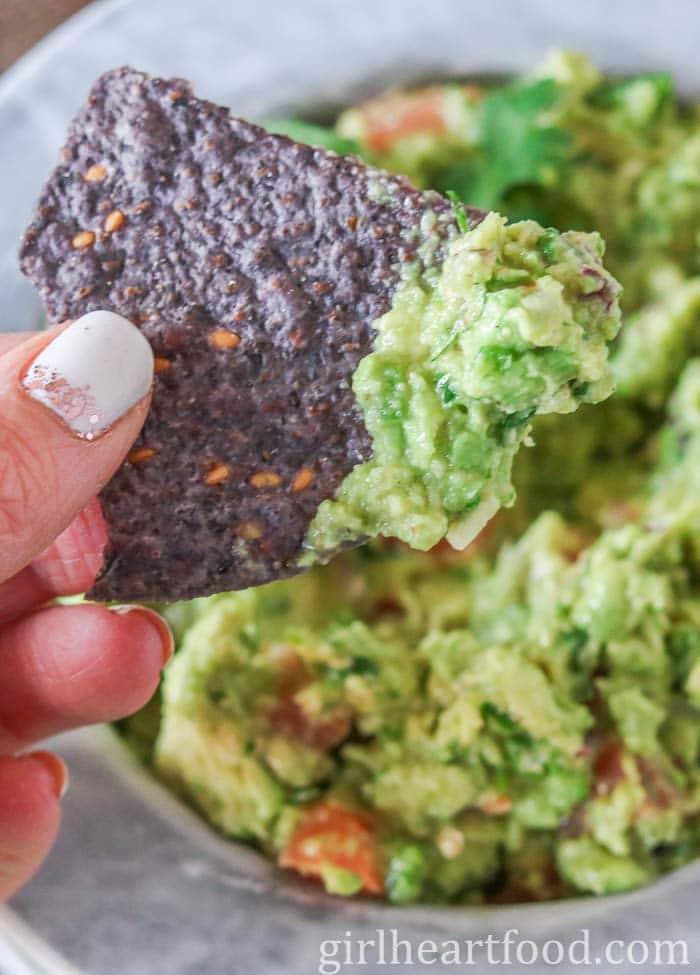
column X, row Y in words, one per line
column 72, row 401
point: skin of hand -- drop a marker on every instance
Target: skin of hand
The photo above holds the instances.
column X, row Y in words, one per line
column 72, row 401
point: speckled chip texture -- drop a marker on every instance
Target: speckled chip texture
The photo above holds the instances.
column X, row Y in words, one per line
column 255, row 266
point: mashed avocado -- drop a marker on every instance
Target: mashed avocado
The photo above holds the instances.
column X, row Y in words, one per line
column 517, row 728
column 515, row 323
column 519, row 721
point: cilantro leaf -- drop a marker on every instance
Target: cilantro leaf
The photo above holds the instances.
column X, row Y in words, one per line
column 313, row 135
column 516, row 148
column 459, row 211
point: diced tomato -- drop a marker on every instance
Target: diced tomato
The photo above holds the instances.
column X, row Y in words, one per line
column 496, row 804
column 333, row 836
column 392, row 117
column 288, row 718
column 608, row 770
column 290, row 666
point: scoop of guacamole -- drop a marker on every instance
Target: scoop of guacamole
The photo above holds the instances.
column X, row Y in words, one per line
column 514, row 323
column 521, row 720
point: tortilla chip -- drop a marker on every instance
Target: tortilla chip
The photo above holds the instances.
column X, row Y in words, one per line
column 255, row 266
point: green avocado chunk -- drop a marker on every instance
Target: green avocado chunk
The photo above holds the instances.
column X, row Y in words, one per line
column 591, row 868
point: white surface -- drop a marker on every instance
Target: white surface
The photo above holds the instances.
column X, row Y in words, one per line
column 23, row 952
column 136, row 884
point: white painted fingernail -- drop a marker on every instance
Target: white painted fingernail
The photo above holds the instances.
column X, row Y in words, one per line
column 92, row 373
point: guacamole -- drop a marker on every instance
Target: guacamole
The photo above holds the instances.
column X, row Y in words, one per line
column 521, row 720
column 514, row 323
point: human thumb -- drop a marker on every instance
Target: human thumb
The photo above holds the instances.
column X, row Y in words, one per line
column 72, row 401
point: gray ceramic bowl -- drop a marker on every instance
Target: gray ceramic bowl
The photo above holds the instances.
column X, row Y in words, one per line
column 137, row 884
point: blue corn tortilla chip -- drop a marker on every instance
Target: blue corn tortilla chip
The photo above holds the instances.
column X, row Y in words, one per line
column 255, row 266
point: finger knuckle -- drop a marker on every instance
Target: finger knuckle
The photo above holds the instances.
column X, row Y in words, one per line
column 23, row 475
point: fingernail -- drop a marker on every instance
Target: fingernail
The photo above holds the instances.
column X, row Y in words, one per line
column 56, row 768
column 155, row 619
column 92, row 373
